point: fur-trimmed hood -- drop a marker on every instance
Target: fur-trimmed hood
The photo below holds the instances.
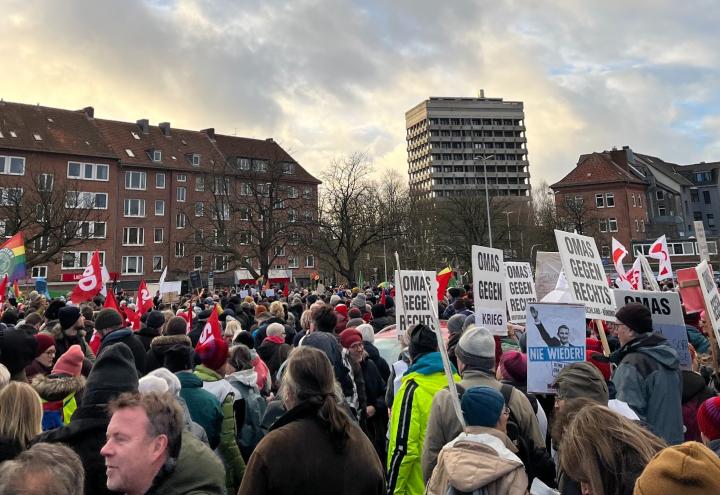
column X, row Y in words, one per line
column 57, row 387
column 163, row 342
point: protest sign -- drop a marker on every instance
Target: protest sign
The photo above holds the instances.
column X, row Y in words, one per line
column 519, row 289
column 195, row 281
column 711, row 296
column 488, row 280
column 649, row 274
column 586, row 275
column 243, row 294
column 701, row 240
column 414, row 302
column 667, row 317
column 547, row 270
column 555, row 338
column 269, row 292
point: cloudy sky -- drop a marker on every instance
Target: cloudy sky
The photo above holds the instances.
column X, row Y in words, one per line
column 326, row 78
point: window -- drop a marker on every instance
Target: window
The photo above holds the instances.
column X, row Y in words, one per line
column 642, row 225
column 132, row 265
column 220, row 263
column 308, row 216
column 309, row 261
column 703, row 176
column 133, row 236
column 660, row 194
column 244, row 238
column 135, row 180
column 180, row 220
column 599, row 201
column 181, row 178
column 694, row 195
column 307, row 193
column 135, row 135
column 79, row 259
column 129, row 153
column 159, row 207
column 294, row 239
column 199, row 183
column 706, row 197
column 245, row 189
column 244, row 213
column 42, row 212
column 292, row 216
column 41, row 244
column 260, row 165
column 661, row 210
column 134, row 208
column 288, row 168
column 637, row 225
column 222, row 186
column 181, row 194
column 613, row 225
column 160, row 180
column 197, row 262
column 199, row 209
column 292, row 192
column 157, row 263
column 242, row 163
column 39, row 272
column 12, row 165
column 610, row 200
column 157, row 156
column 159, row 235
column 710, row 220
column 84, row 199
column 279, row 250
column 293, row 262
column 89, row 230
column 639, row 200
column 179, row 249
column 45, row 182
column 199, row 236
column 88, row 171
column 196, row 160
column 604, row 251
column 603, row 225
column 278, row 204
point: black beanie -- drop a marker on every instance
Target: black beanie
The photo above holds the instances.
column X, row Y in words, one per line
column 378, row 310
column 178, row 358
column 155, row 319
column 17, row 349
column 113, row 373
column 51, row 313
column 68, row 315
column 107, row 318
column 176, row 326
column 636, row 316
column 422, row 341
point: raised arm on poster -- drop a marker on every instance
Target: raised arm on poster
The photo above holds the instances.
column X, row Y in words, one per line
column 489, row 294
column 555, row 338
column 711, row 296
column 586, row 275
column 667, row 317
column 519, row 289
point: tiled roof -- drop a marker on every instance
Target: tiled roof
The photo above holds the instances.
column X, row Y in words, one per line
column 669, row 169
column 38, row 128
column 611, row 172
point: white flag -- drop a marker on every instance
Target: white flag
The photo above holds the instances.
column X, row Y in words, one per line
column 659, row 251
column 162, row 280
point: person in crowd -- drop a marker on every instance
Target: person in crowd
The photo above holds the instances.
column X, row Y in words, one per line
column 153, row 325
column 277, row 315
column 43, row 469
column 342, row 459
column 694, row 332
column 69, row 331
column 305, row 327
column 455, row 330
column 147, row 450
column 20, row 418
column 368, row 338
column 694, row 392
column 606, row 452
column 43, row 362
column 61, row 390
column 232, row 328
column 249, row 404
column 4, row 376
column 380, row 319
column 273, row 350
column 112, row 330
column 354, row 318
column 264, row 382
column 708, row 420
column 410, row 411
column 89, row 316
column 687, row 469
column 17, row 351
column 213, row 358
column 481, row 457
column 113, row 373
column 648, row 375
column 341, row 317
column 512, row 370
column 175, row 334
column 476, row 363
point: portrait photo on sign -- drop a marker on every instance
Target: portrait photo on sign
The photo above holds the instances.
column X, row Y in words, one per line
column 555, row 338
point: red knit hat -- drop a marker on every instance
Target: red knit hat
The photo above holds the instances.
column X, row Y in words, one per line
column 71, row 362
column 342, row 309
column 593, row 357
column 44, row 342
column 212, row 354
column 349, row 337
column 708, row 418
column 515, row 364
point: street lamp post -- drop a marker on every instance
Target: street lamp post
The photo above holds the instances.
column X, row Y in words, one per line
column 507, row 214
column 487, row 193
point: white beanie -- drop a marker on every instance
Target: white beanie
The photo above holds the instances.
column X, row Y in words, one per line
column 150, row 383
column 367, row 331
column 476, row 348
column 172, row 381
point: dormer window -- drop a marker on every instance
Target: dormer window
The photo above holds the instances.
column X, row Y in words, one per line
column 12, row 134
column 196, row 160
column 288, row 168
column 135, row 134
column 37, row 137
column 157, row 155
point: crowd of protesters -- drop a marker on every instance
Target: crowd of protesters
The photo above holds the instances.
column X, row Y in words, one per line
column 297, row 396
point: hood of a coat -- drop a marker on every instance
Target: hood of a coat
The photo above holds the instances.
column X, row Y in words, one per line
column 244, row 377
column 652, row 345
column 56, row 387
column 188, row 379
column 165, row 342
column 206, row 374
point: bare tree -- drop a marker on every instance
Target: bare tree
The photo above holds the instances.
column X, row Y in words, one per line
column 52, row 217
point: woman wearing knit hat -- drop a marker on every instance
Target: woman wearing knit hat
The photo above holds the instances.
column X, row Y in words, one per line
column 42, row 364
column 708, row 419
column 687, row 469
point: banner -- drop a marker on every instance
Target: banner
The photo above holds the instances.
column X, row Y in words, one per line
column 413, row 304
column 586, row 275
column 666, row 314
column 555, row 338
column 195, row 280
column 488, row 289
column 659, row 250
column 701, row 240
column 547, row 270
column 711, row 296
column 519, row 289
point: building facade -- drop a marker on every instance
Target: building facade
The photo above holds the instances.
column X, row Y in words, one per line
column 146, row 197
column 453, row 144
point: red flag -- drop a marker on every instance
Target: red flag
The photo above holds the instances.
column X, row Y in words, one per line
column 16, row 289
column 144, row 299
column 95, row 342
column 210, row 340
column 286, row 290
column 111, row 302
column 382, row 297
column 3, row 288
column 443, row 279
column 91, row 282
column 134, row 318
column 188, row 317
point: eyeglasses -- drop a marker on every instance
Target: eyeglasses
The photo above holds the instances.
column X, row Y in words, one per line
column 506, row 411
column 357, row 346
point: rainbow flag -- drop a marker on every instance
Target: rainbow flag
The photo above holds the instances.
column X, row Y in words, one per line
column 12, row 257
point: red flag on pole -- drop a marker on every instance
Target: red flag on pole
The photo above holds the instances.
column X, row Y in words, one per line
column 90, row 284
column 3, row 289
column 134, row 318
column 95, row 342
column 144, row 299
column 382, row 296
column 187, row 315
column 211, row 347
column 443, row 279
column 286, row 290
column 111, row 302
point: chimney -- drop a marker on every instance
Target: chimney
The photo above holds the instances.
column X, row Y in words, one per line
column 210, row 132
column 89, row 112
column 144, row 125
column 165, row 128
column 270, row 140
column 629, row 155
column 481, row 93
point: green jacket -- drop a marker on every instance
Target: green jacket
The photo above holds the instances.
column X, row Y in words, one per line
column 410, row 414
column 204, row 407
column 216, row 384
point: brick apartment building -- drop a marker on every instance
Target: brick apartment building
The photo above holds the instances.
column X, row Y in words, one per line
column 146, row 197
column 635, row 198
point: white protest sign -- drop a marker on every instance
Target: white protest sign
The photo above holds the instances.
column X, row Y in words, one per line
column 701, row 240
column 269, row 292
column 547, row 270
column 711, row 296
column 667, row 317
column 519, row 289
column 488, row 290
column 414, row 303
column 586, row 275
column 244, row 294
column 555, row 338
column 648, row 272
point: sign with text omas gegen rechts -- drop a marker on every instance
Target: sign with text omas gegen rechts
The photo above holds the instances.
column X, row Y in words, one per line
column 519, row 289
column 711, row 296
column 585, row 275
column 416, row 293
column 488, row 273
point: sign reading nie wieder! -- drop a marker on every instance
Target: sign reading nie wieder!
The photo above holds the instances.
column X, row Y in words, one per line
column 586, row 275
column 488, row 272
